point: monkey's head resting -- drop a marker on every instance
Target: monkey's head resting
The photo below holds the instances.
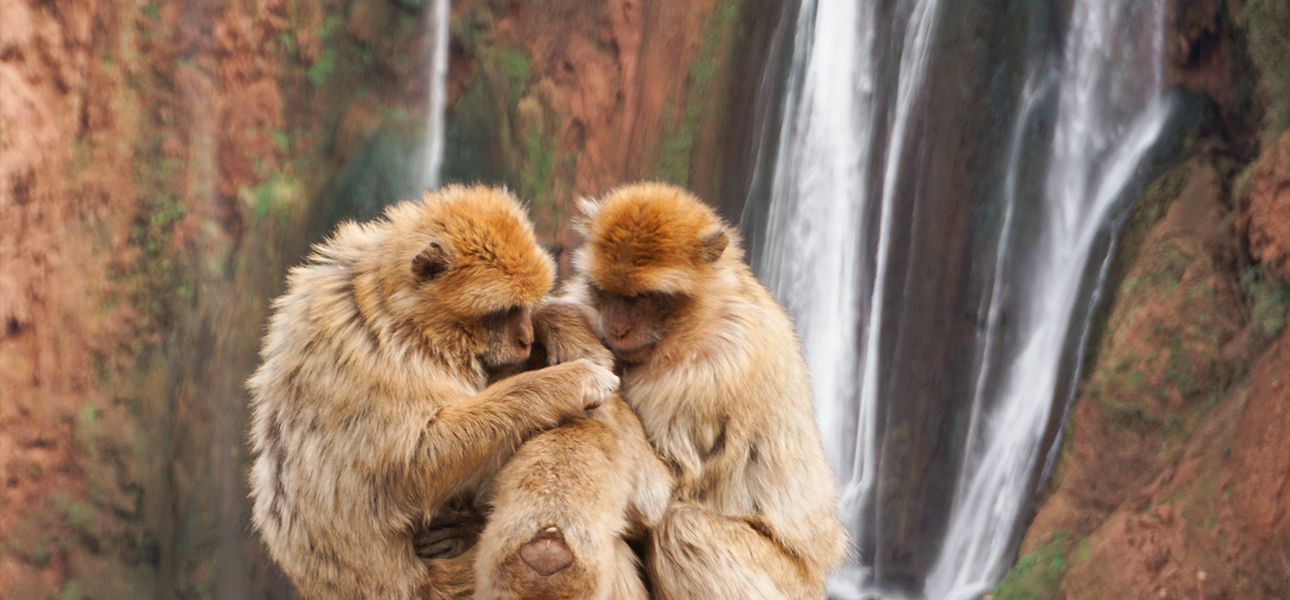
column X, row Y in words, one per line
column 652, row 250
column 462, row 264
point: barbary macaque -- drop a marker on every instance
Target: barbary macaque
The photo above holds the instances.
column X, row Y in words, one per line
column 711, row 365
column 374, row 411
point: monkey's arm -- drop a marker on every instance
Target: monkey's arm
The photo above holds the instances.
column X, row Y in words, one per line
column 652, row 481
column 785, row 540
column 469, row 440
column 699, row 554
column 791, row 541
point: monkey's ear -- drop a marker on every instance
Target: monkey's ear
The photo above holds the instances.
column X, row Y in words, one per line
column 711, row 246
column 431, row 262
column 587, row 209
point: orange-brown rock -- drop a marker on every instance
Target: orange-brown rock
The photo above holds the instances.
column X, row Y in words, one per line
column 1261, row 465
column 1175, row 479
column 1265, row 217
column 1214, row 525
column 1161, row 356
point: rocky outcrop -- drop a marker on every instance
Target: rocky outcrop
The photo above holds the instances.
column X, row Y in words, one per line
column 1175, row 458
column 1265, row 212
column 158, row 163
column 571, row 98
column 1213, row 524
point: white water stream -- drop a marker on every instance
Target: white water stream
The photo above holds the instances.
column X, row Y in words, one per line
column 437, row 17
column 820, row 261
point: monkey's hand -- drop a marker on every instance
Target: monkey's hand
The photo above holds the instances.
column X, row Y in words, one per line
column 592, row 384
column 453, row 531
column 599, row 384
column 564, row 330
column 544, row 398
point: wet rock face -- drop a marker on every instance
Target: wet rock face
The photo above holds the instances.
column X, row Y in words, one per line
column 1265, row 214
column 1161, row 356
column 1175, row 476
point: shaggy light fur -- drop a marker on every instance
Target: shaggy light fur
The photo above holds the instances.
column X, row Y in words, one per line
column 595, row 480
column 724, row 398
column 372, row 409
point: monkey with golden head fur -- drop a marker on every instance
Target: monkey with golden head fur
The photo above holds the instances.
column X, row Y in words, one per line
column 711, row 365
column 373, row 411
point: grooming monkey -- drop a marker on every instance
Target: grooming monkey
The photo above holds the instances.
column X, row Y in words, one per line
column 372, row 411
column 711, row 365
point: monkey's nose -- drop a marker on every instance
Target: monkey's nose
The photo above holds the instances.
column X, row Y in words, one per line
column 525, row 337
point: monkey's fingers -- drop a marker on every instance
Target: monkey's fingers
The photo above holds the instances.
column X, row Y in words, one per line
column 562, row 351
column 600, row 384
column 449, row 548
column 453, row 518
column 434, row 536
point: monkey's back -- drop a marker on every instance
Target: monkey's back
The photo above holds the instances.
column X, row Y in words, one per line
column 335, row 412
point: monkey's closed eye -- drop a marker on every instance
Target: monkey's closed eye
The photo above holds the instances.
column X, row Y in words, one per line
column 503, row 315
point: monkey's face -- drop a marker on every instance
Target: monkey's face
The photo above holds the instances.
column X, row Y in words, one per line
column 474, row 297
column 463, row 271
column 507, row 335
column 633, row 325
column 651, row 251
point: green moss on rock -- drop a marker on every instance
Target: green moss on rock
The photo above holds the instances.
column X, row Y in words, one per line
column 1037, row 575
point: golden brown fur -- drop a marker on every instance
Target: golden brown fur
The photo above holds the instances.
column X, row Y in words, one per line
column 590, row 482
column 372, row 409
column 568, row 497
column 713, row 369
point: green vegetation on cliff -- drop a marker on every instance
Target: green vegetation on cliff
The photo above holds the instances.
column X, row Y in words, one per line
column 683, row 127
column 1266, row 24
column 1037, row 574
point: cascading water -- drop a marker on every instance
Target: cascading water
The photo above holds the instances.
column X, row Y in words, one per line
column 814, row 213
column 843, row 252
column 437, row 26
column 813, row 260
column 1109, row 116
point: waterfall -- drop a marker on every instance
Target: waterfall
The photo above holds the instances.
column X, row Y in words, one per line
column 843, row 249
column 813, row 260
column 1109, row 115
column 438, row 17
column 815, row 213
